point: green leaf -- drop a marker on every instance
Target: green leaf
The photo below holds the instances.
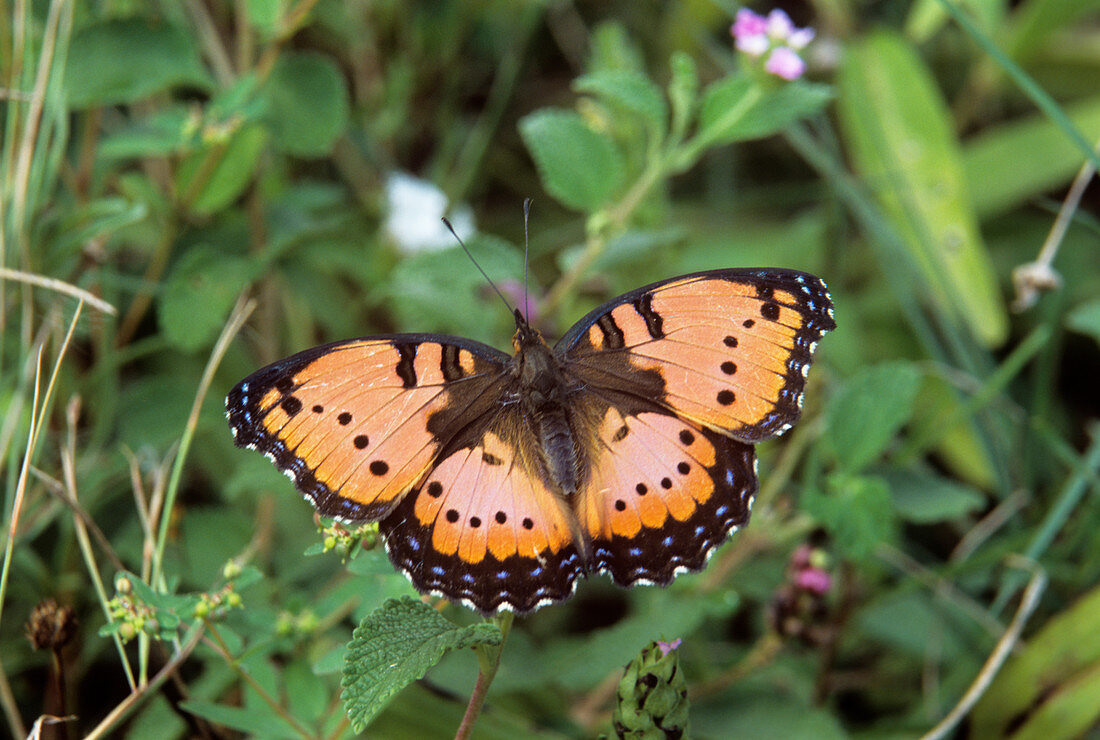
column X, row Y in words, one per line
column 121, row 61
column 308, row 105
column 924, row 497
column 394, row 646
column 1086, row 319
column 869, row 410
column 256, row 721
column 1044, row 690
column 738, row 108
column 198, row 294
column 580, row 167
column 1033, row 24
column 307, row 696
column 771, row 712
column 216, row 175
column 165, row 131
column 898, row 131
column 265, row 16
column 910, row 623
column 857, row 513
column 631, row 91
column 170, row 610
column 612, row 48
column 991, row 160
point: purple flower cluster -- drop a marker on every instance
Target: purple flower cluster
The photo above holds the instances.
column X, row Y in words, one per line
column 775, row 39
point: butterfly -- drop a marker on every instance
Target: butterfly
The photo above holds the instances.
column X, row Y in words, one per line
column 499, row 480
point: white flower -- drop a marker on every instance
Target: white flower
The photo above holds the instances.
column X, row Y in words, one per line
column 414, row 213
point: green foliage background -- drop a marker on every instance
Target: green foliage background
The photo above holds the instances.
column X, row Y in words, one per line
column 211, row 177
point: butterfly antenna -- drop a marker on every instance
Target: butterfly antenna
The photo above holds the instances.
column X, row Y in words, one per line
column 526, row 253
column 478, row 266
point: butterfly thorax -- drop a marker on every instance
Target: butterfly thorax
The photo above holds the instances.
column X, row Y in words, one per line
column 543, row 391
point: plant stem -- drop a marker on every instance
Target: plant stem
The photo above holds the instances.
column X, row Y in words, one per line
column 489, row 659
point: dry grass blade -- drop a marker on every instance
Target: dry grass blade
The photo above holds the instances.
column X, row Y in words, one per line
column 996, row 658
column 39, row 407
column 58, row 286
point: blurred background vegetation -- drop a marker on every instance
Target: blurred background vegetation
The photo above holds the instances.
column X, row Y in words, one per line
column 219, row 184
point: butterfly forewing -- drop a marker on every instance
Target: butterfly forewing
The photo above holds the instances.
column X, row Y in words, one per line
column 727, row 349
column 357, row 424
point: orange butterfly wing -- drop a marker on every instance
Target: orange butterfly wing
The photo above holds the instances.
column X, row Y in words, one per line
column 686, row 372
column 662, row 494
column 484, row 529
column 357, row 424
column 727, row 349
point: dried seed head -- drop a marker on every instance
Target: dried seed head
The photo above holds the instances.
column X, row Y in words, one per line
column 51, row 626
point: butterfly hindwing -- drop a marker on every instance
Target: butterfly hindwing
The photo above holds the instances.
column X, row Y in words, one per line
column 357, row 424
column 484, row 529
column 662, row 494
column 727, row 349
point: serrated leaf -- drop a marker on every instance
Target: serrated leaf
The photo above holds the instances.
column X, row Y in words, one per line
column 307, row 104
column 738, row 108
column 869, row 410
column 198, row 294
column 924, row 497
column 580, row 167
column 396, row 645
column 121, row 61
column 857, row 513
column 631, row 91
column 899, row 133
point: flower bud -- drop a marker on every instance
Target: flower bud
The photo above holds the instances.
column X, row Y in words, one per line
column 652, row 696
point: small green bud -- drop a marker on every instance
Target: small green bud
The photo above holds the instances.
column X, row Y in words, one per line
column 126, row 631
column 231, row 570
column 284, row 624
column 123, row 585
column 306, row 622
column 652, row 696
column 233, row 600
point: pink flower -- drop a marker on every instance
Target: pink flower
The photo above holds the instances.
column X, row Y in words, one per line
column 748, row 23
column 814, row 580
column 775, row 36
column 668, row 647
column 779, row 25
column 784, row 62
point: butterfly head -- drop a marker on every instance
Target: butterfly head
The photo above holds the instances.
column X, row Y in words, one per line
column 526, row 336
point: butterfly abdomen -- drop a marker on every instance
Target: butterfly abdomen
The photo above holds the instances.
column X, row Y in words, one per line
column 559, row 449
